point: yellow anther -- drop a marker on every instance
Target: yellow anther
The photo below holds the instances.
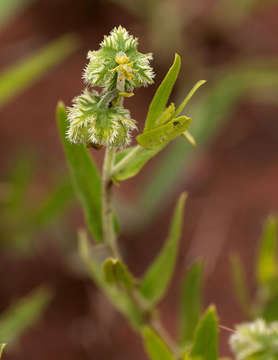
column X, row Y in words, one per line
column 122, row 59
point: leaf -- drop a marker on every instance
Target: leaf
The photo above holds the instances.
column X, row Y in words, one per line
column 21, row 315
column 109, row 271
column 240, row 284
column 1, row 349
column 191, row 303
column 124, row 277
column 85, row 176
column 157, row 278
column 161, row 135
column 189, row 96
column 24, row 73
column 205, row 343
column 209, row 115
column 116, row 273
column 154, row 346
column 121, row 300
column 136, row 164
column 266, row 263
column 162, row 94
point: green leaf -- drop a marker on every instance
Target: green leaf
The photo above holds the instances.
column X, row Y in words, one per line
column 209, row 114
column 121, row 300
column 24, row 73
column 116, row 273
column 163, row 134
column 205, row 343
column 154, row 346
column 109, row 271
column 21, row 315
column 240, row 283
column 266, row 263
column 191, row 303
column 162, row 94
column 1, row 349
column 85, row 176
column 189, row 96
column 136, row 164
column 157, row 278
column 124, row 277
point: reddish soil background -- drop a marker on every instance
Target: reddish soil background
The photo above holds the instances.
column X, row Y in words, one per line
column 232, row 186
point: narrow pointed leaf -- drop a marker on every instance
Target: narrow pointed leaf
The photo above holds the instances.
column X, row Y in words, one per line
column 25, row 72
column 191, row 303
column 205, row 344
column 162, row 94
column 156, row 280
column 163, row 134
column 136, row 164
column 124, row 277
column 189, row 96
column 22, row 314
column 267, row 262
column 85, row 176
column 116, row 273
column 240, row 283
column 154, row 346
column 109, row 271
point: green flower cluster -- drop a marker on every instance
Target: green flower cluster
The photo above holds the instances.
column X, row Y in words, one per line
column 255, row 340
column 117, row 67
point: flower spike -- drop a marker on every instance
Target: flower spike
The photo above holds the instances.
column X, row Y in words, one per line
column 118, row 58
column 92, row 120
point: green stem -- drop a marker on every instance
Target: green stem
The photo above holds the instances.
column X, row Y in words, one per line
column 122, row 164
column 109, row 236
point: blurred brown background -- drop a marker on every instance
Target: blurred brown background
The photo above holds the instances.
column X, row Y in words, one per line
column 232, row 181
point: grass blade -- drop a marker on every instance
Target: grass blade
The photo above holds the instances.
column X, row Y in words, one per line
column 25, row 72
column 24, row 313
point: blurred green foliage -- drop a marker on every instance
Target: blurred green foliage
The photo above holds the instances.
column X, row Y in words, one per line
column 22, row 315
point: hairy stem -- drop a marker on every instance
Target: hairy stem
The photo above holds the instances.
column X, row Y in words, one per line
column 122, row 164
column 109, row 236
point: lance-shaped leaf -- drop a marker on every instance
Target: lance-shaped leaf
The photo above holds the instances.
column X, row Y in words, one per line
column 22, row 314
column 189, row 96
column 156, row 280
column 162, row 94
column 120, row 299
column 205, row 344
column 267, row 262
column 163, row 134
column 191, row 303
column 25, row 72
column 240, row 283
column 134, row 165
column 155, row 346
column 1, row 349
column 116, row 273
column 85, row 176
